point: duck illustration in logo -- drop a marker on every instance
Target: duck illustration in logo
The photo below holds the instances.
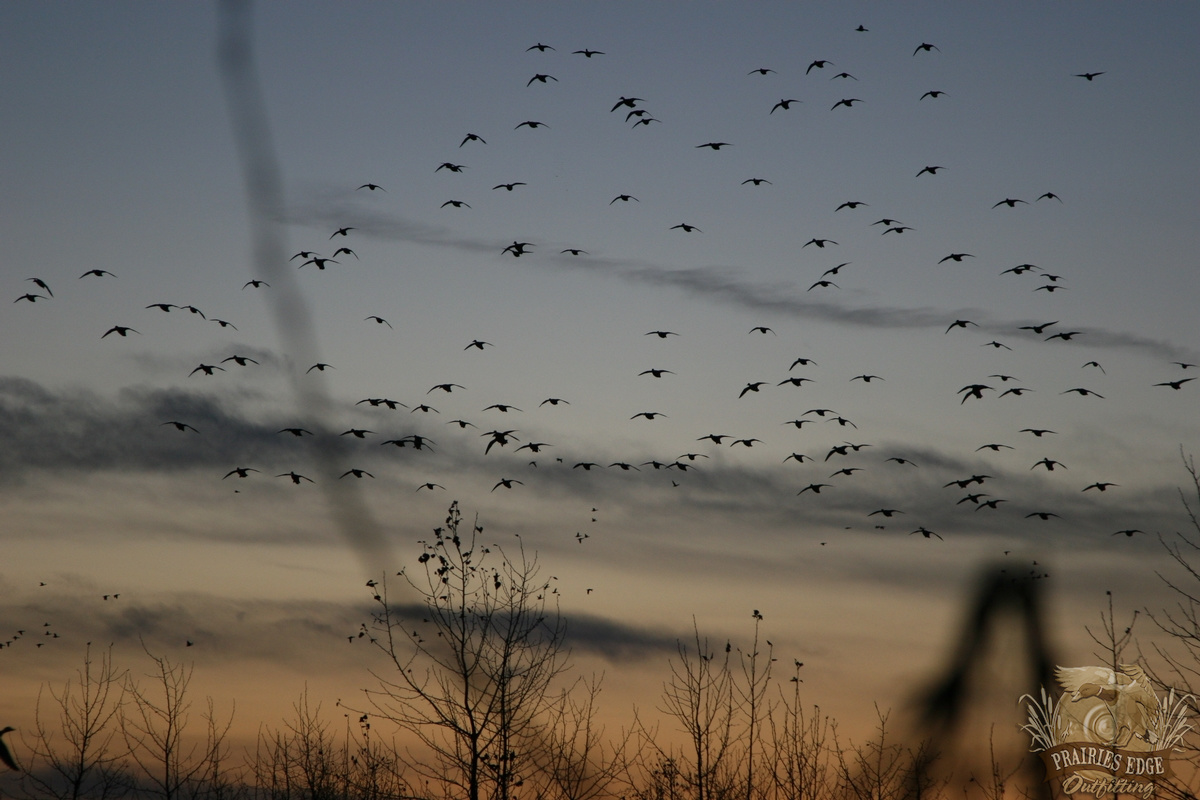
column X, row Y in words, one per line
column 1115, row 708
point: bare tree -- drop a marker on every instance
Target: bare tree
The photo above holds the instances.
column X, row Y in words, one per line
column 801, row 768
column 752, row 693
column 74, row 753
column 474, row 661
column 884, row 769
column 699, row 696
column 154, row 725
column 574, row 762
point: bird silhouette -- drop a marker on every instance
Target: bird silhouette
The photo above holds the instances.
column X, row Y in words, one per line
column 926, row 533
column 241, row 472
column 926, row 46
column 686, row 228
column 98, row 273
column 6, row 755
column 760, row 71
column 848, row 102
column 41, row 284
column 1011, row 202
column 818, row 64
column 931, row 170
column 714, row 145
column 470, row 137
column 587, row 53
column 507, row 483
column 207, row 369
column 374, row 187
column 358, row 473
column 342, row 232
column 296, row 477
column 123, row 331
column 786, row 105
column 180, row 426
column 531, row 124
column 932, row 93
column 1088, row 75
column 542, row 78
column 1176, row 385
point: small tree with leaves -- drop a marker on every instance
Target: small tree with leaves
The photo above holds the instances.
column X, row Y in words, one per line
column 474, row 661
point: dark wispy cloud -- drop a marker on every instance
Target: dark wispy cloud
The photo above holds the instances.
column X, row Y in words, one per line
column 721, row 284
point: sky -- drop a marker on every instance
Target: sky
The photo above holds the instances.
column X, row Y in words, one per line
column 122, row 157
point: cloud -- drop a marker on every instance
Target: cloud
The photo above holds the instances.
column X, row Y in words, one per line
column 721, row 284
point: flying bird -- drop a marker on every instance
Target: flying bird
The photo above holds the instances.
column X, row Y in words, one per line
column 255, row 283
column 847, row 102
column 957, row 257
column 6, row 755
column 120, row 330
column 1176, row 385
column 1087, row 75
column 543, row 78
column 760, row 71
column 786, row 105
column 342, row 232
column 358, row 473
column 1011, row 202
column 99, row 273
column 296, row 478
column 508, row 186
column 378, row 320
column 818, row 64
column 470, row 137
column 686, row 228
column 41, row 284
column 374, row 187
column 930, row 170
column 714, row 145
column 932, row 93
column 507, row 483
column 627, row 102
column 531, row 124
column 241, row 472
column 926, row 46
column 181, row 426
column 541, row 48
column 587, row 53
column 820, row 243
column 207, row 369
column 319, row 367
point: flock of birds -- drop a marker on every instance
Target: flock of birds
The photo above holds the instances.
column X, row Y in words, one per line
column 498, row 437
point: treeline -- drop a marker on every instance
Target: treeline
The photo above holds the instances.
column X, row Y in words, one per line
column 478, row 703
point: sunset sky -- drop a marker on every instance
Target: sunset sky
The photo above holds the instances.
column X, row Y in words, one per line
column 120, row 156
